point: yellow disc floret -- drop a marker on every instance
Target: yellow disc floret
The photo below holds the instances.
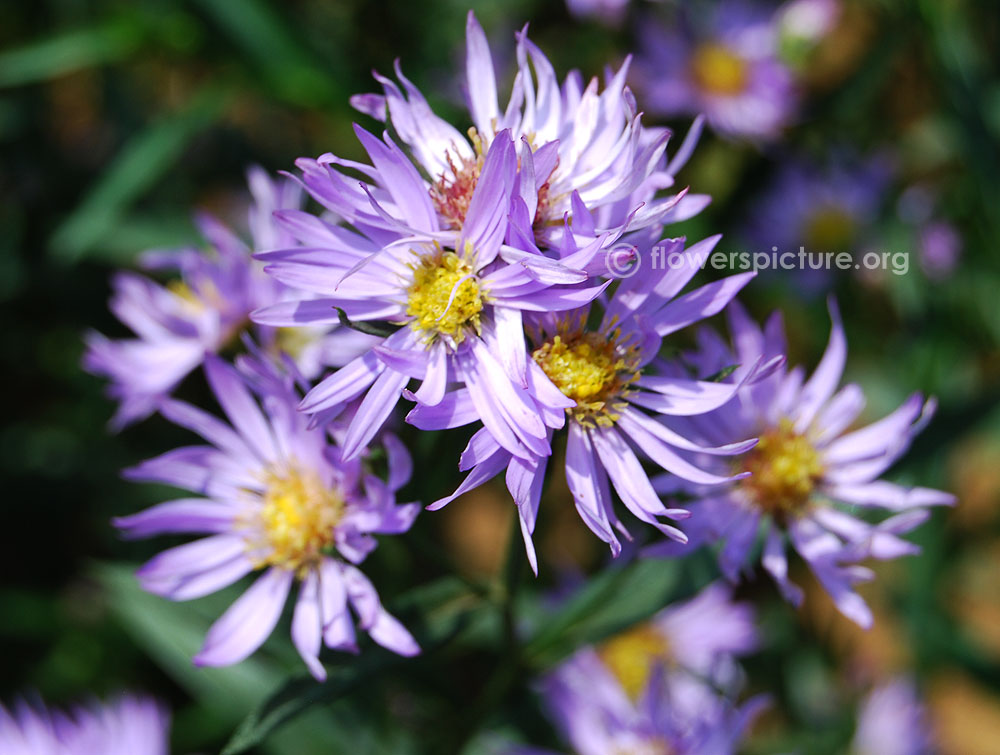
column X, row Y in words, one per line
column 784, row 467
column 445, row 298
column 632, row 655
column 718, row 70
column 592, row 369
column 297, row 521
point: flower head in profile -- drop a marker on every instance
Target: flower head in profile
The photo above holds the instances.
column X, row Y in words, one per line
column 810, row 474
column 131, row 725
column 656, row 688
column 893, row 721
column 203, row 310
column 601, row 382
column 578, row 145
column 275, row 497
column 721, row 62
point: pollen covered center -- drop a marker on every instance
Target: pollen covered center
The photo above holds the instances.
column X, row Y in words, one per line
column 718, row 70
column 298, row 519
column 632, row 655
column 785, row 468
column 590, row 368
column 445, row 297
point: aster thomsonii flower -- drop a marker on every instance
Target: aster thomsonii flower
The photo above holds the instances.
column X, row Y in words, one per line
column 577, row 142
column 601, row 382
column 810, row 474
column 203, row 311
column 278, row 497
column 653, row 688
column 451, row 289
column 132, row 725
column 722, row 63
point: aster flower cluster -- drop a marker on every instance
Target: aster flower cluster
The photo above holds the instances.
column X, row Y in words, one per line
column 475, row 276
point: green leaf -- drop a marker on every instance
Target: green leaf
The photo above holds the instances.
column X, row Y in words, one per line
column 610, row 602
column 264, row 36
column 382, row 330
column 136, row 168
column 68, row 52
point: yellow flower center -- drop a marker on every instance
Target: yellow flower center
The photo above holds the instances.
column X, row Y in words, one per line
column 784, row 469
column 451, row 194
column 632, row 655
column 593, row 370
column 298, row 520
column 294, row 341
column 829, row 229
column 445, row 298
column 718, row 70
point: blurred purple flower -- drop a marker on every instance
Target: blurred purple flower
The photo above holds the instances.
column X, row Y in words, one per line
column 204, row 310
column 278, row 497
column 132, row 725
column 893, row 721
column 821, row 209
column 720, row 62
column 653, row 688
column 940, row 249
column 805, row 464
column 597, row 380
column 607, row 12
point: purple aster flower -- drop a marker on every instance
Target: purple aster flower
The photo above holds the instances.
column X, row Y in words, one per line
column 277, row 497
column 722, row 63
column 700, row 637
column 893, row 721
column 131, row 725
column 205, row 309
column 601, row 381
column 458, row 293
column 823, row 209
column 809, row 474
column 655, row 688
column 578, row 144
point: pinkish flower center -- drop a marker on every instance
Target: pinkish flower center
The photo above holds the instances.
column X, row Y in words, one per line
column 451, row 194
column 718, row 70
column 784, row 467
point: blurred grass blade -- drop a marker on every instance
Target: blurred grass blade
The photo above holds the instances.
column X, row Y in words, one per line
column 264, row 36
column 610, row 602
column 68, row 52
column 445, row 607
column 172, row 635
column 136, row 168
